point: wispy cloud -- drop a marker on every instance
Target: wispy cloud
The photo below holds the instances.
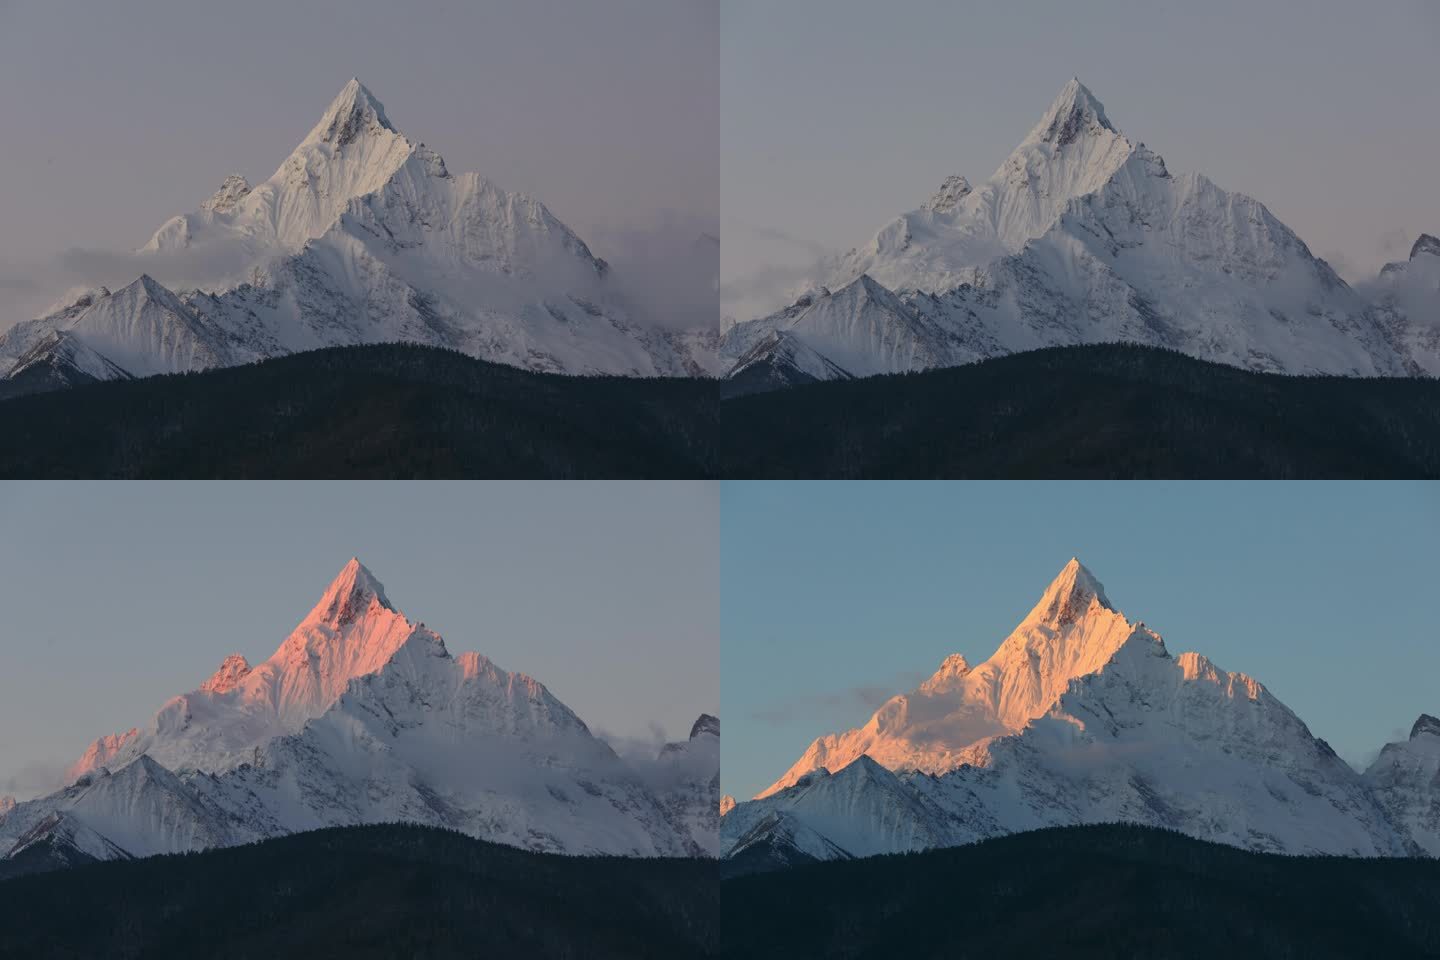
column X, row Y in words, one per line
column 861, row 697
column 33, row 779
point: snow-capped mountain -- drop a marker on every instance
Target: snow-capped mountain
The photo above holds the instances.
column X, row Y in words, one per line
column 353, row 631
column 1080, row 716
column 1082, row 235
column 1406, row 779
column 363, row 716
column 688, row 773
column 1408, row 295
column 361, row 236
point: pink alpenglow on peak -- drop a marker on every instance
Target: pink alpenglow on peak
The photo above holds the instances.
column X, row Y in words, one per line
column 948, row 720
column 102, row 752
column 232, row 670
column 1082, row 717
column 351, row 632
column 363, row 716
column 351, row 594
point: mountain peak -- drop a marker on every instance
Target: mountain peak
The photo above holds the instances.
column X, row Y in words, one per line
column 349, row 594
column 231, row 191
column 353, row 111
column 705, row 724
column 1426, row 244
column 1075, row 111
column 952, row 669
column 1069, row 595
column 232, row 670
column 951, row 192
column 1425, row 724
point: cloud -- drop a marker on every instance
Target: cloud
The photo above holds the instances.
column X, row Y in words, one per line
column 868, row 697
column 773, row 284
column 669, row 270
column 776, row 284
column 813, row 248
column 1362, row 761
column 34, row 779
column 1343, row 265
column 1395, row 244
column 642, row 755
column 28, row 289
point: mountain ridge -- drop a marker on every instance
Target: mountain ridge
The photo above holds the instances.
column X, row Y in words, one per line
column 1083, row 716
column 362, row 235
column 363, row 716
column 1083, row 235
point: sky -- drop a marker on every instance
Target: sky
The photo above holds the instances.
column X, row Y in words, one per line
column 118, row 116
column 839, row 115
column 118, row 596
column 836, row 596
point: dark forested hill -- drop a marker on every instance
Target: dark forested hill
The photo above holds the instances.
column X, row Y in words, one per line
column 373, row 411
column 359, row 892
column 1095, row 411
column 1080, row 892
column 405, row 411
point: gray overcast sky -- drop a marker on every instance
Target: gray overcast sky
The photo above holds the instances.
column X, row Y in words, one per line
column 117, row 116
column 837, row 115
column 118, row 596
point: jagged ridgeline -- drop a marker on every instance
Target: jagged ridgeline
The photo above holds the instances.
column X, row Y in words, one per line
column 363, row 716
column 362, row 235
column 1084, row 716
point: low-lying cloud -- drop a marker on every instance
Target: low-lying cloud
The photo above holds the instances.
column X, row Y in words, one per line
column 868, row 697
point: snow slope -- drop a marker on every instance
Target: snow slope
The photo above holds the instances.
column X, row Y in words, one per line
column 364, row 236
column 1406, row 779
column 351, row 632
column 1081, row 716
column 362, row 716
column 1083, row 235
column 1408, row 295
column 688, row 778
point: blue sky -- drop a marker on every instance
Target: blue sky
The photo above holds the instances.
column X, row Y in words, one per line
column 837, row 595
column 838, row 115
column 118, row 596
